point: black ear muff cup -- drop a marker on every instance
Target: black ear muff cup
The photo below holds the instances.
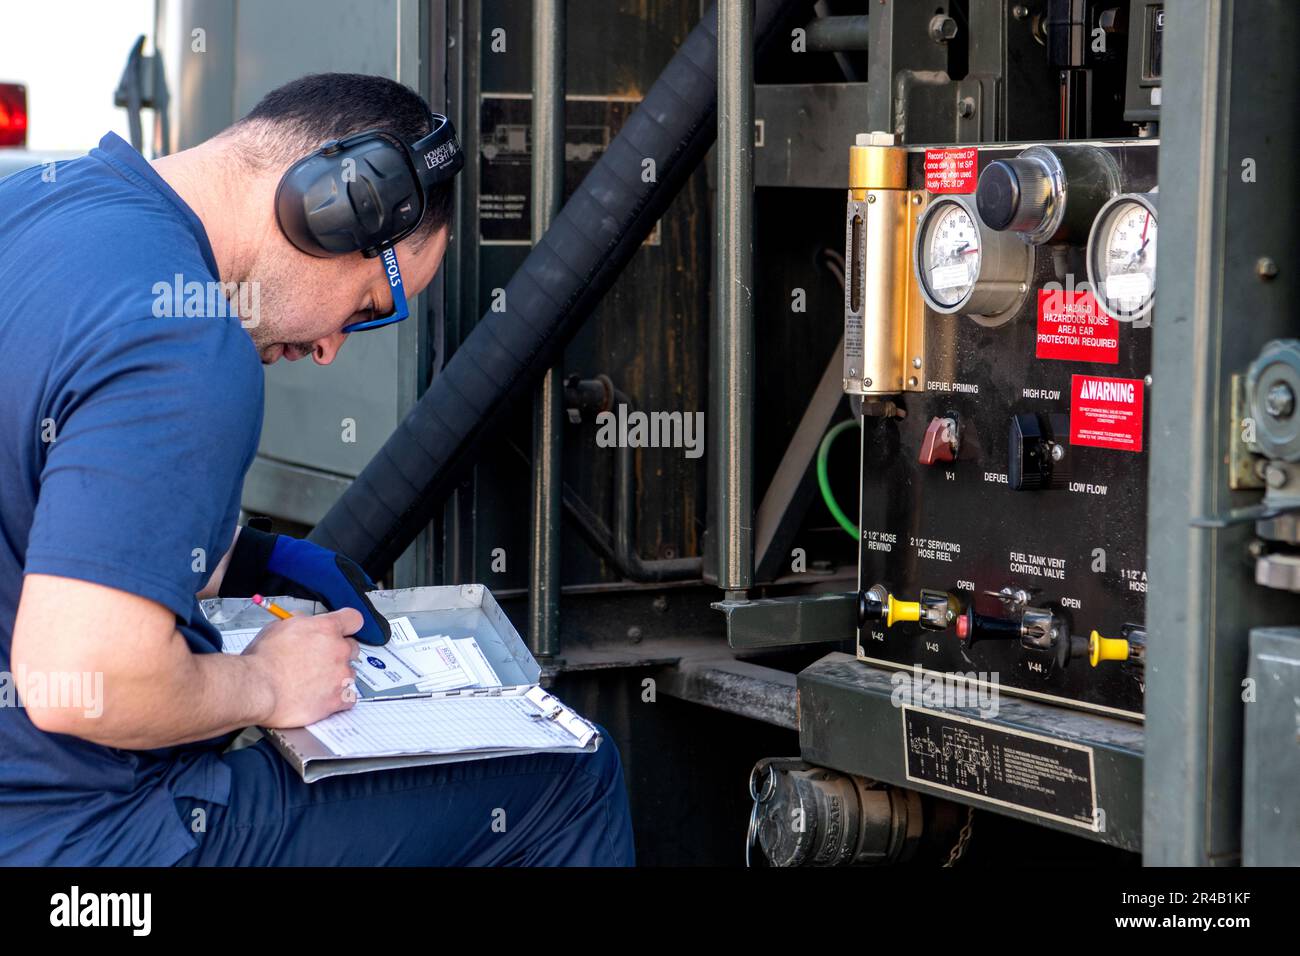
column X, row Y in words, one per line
column 355, row 197
column 366, row 192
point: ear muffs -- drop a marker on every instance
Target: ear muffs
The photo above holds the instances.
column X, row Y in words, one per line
column 365, row 192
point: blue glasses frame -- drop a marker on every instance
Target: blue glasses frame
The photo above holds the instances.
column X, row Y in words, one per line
column 388, row 259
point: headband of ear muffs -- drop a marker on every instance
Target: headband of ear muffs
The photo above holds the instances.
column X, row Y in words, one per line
column 365, row 192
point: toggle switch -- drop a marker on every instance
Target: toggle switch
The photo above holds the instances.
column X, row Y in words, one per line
column 942, row 441
column 1037, row 451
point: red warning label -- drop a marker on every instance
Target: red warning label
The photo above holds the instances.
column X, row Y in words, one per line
column 951, row 170
column 1106, row 412
column 1072, row 326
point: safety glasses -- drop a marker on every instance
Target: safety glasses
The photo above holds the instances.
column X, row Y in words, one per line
column 388, row 258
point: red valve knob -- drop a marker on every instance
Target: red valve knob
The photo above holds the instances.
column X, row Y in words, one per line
column 940, row 441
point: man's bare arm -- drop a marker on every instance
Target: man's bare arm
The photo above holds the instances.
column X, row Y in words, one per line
column 156, row 691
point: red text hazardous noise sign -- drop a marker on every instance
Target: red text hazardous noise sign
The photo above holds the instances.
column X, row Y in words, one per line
column 1072, row 327
column 1106, row 412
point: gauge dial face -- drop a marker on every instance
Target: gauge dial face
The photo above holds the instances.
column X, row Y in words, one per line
column 950, row 253
column 1125, row 259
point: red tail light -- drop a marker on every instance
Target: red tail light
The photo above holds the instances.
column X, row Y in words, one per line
column 13, row 114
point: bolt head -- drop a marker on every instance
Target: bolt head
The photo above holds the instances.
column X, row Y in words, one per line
column 1266, row 268
column 1279, row 402
column 942, row 28
column 1058, row 452
column 1275, row 476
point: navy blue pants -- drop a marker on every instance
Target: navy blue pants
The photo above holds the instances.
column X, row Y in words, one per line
column 530, row 810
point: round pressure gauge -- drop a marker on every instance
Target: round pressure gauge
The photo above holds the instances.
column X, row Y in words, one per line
column 963, row 266
column 1122, row 256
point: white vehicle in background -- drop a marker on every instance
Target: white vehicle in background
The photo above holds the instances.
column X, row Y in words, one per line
column 14, row 154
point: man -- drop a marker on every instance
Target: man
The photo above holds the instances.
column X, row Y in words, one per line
column 126, row 426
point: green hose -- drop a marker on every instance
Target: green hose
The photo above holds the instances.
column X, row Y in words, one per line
column 823, row 453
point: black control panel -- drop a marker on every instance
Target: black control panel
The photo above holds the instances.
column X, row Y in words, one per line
column 1009, row 497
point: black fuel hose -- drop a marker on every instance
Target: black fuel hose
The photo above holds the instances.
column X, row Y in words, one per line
column 559, row 284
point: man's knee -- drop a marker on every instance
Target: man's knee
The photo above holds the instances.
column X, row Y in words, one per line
column 606, row 763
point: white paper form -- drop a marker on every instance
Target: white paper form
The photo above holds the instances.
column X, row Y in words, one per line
column 403, row 631
column 476, row 661
column 435, row 725
column 438, row 663
column 234, row 642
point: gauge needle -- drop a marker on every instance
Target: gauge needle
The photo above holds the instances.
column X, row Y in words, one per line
column 1139, row 253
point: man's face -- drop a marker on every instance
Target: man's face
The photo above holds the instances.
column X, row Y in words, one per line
column 306, row 301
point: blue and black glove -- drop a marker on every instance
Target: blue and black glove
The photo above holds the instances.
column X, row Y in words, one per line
column 264, row 563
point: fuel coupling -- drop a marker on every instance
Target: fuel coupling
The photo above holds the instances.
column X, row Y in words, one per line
column 935, row 610
column 884, row 315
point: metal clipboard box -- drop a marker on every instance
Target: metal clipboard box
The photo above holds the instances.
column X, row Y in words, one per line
column 457, row 611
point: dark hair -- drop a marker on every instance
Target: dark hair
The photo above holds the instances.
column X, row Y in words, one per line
column 295, row 119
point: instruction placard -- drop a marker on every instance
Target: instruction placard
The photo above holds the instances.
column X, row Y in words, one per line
column 1106, row 412
column 951, row 170
column 1048, row 778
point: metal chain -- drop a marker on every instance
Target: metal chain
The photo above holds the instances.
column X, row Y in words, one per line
column 963, row 838
column 769, row 787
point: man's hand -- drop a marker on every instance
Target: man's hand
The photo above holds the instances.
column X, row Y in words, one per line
column 305, row 660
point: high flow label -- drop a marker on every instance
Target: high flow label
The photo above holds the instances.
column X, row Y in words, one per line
column 1106, row 412
column 1071, row 326
column 951, row 170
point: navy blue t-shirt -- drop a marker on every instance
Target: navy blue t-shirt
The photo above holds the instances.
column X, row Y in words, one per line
column 126, row 428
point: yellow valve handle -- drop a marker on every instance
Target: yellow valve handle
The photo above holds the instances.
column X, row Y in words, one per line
column 902, row 611
column 1106, row 649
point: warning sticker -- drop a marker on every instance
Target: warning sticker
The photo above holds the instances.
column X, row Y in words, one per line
column 1072, row 326
column 951, row 170
column 1106, row 412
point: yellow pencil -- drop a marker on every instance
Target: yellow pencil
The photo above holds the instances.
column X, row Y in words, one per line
column 275, row 609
